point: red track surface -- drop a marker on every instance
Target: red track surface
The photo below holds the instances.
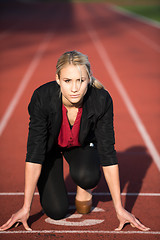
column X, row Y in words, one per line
column 135, row 60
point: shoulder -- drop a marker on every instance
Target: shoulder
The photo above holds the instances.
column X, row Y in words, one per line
column 44, row 95
column 103, row 93
column 46, row 92
column 101, row 97
column 47, row 88
column 98, row 101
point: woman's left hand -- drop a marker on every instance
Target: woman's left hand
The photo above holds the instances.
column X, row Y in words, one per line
column 126, row 217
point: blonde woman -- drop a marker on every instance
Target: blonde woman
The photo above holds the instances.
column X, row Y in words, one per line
column 70, row 117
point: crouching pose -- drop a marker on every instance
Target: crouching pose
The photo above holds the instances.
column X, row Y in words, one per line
column 70, row 117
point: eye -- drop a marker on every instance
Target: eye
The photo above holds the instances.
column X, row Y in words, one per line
column 82, row 80
column 67, row 80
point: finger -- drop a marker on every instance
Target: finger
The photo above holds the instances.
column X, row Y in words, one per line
column 136, row 223
column 4, row 225
column 120, row 226
column 132, row 225
column 139, row 222
column 17, row 224
column 141, row 226
column 26, row 226
column 7, row 225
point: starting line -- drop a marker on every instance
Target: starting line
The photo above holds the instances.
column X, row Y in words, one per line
column 81, row 231
column 68, row 222
column 94, row 194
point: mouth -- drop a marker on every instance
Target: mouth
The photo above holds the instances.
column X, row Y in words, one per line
column 74, row 96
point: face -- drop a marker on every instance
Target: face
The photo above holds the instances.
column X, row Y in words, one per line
column 73, row 83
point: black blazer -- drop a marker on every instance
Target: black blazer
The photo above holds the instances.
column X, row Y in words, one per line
column 45, row 109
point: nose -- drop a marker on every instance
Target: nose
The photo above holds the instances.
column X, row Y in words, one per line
column 74, row 87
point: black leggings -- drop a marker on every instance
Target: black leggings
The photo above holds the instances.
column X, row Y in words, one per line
column 84, row 169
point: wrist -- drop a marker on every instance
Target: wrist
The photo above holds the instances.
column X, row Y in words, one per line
column 118, row 207
column 26, row 207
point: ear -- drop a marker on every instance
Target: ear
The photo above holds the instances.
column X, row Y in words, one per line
column 57, row 79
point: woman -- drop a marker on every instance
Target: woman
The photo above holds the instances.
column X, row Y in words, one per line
column 70, row 117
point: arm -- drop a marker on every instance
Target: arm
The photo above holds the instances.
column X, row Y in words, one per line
column 36, row 148
column 32, row 173
column 105, row 144
column 111, row 174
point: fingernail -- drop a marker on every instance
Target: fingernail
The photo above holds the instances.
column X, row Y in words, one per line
column 29, row 229
column 17, row 224
column 146, row 229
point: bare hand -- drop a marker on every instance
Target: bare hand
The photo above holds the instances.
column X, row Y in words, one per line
column 126, row 217
column 21, row 216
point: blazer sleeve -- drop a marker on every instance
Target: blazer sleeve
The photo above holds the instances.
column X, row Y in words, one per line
column 104, row 133
column 37, row 136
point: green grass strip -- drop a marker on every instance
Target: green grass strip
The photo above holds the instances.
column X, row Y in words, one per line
column 152, row 12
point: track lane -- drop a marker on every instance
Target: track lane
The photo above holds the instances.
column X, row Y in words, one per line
column 132, row 149
column 38, row 223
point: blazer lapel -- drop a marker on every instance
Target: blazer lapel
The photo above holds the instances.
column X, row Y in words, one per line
column 87, row 116
column 56, row 113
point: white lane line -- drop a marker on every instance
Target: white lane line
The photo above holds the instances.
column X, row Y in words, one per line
column 80, row 231
column 146, row 40
column 124, row 95
column 94, row 194
column 136, row 33
column 131, row 194
column 31, row 69
column 135, row 16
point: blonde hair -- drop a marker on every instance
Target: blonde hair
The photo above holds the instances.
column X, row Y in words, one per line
column 77, row 58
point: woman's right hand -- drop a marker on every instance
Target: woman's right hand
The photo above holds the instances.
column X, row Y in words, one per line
column 21, row 216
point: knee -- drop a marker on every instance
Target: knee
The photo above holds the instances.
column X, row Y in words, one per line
column 55, row 212
column 86, row 179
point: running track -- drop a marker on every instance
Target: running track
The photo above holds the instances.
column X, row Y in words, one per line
column 124, row 55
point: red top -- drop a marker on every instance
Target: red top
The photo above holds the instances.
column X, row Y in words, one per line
column 69, row 137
